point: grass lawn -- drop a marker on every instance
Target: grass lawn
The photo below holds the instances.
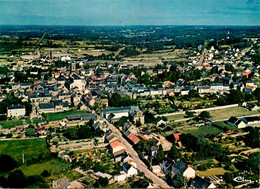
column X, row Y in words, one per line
column 176, row 117
column 73, row 175
column 204, row 130
column 223, row 125
column 36, row 120
column 10, row 124
column 212, row 171
column 228, row 112
column 62, row 115
column 31, row 148
column 53, row 166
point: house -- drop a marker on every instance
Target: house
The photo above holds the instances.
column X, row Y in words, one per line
column 99, row 124
column 130, row 161
column 235, row 122
column 61, row 183
column 120, row 177
column 82, row 106
column 176, row 136
column 166, row 165
column 130, row 170
column 153, row 151
column 184, row 169
column 160, row 123
column 15, row 110
column 133, row 139
column 254, row 108
column 156, row 169
column 46, row 108
column 103, row 175
column 199, row 182
column 251, row 120
column 83, row 117
column 117, row 147
column 128, row 126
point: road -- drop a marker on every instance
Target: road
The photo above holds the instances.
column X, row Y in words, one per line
column 140, row 164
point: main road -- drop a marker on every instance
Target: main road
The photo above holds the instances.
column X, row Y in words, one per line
column 140, row 164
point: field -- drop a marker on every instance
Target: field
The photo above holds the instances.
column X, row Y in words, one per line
column 212, row 171
column 10, row 124
column 228, row 112
column 36, row 120
column 223, row 125
column 204, row 130
column 31, row 148
column 53, row 166
column 176, row 117
column 62, row 115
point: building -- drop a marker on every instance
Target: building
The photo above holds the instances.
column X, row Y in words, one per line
column 61, row 183
column 199, row 182
column 184, row 169
column 117, row 147
column 235, row 122
column 16, row 110
column 130, row 170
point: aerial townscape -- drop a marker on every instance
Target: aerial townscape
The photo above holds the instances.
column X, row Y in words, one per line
column 147, row 106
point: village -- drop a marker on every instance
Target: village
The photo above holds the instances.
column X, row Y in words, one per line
column 127, row 123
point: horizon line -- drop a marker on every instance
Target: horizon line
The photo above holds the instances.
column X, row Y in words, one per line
column 128, row 25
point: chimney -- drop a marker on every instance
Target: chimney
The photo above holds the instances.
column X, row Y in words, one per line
column 189, row 166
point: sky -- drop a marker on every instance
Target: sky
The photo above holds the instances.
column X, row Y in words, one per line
column 130, row 12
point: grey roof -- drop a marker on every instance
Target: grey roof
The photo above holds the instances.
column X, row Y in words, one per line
column 87, row 116
column 16, row 106
column 199, row 182
column 63, row 182
column 46, row 106
column 179, row 167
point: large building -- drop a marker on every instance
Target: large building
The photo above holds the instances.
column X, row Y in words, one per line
column 16, row 110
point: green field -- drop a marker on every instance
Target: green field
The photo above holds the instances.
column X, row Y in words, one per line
column 204, row 130
column 31, row 148
column 176, row 117
column 10, row 124
column 228, row 112
column 223, row 125
column 62, row 115
column 36, row 120
column 53, row 166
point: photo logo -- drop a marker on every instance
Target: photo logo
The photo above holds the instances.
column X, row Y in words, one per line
column 242, row 180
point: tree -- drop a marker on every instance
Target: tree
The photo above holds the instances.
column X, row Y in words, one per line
column 30, row 132
column 17, row 179
column 228, row 177
column 236, row 96
column 122, row 121
column 203, row 115
column 7, row 163
column 160, row 154
column 252, row 138
column 174, row 153
column 189, row 114
column 178, row 180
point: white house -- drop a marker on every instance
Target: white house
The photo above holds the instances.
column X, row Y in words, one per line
column 15, row 110
column 130, row 170
column 186, row 170
column 235, row 122
column 120, row 177
column 116, row 147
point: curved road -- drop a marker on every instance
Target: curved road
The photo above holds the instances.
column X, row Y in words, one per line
column 140, row 164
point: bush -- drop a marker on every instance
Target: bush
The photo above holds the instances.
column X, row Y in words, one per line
column 7, row 163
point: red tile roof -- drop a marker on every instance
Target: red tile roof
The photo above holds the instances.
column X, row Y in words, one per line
column 116, row 143
column 133, row 138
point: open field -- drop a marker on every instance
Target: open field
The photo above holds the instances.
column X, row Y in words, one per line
column 62, row 115
column 212, row 171
column 10, row 124
column 204, row 130
column 228, row 112
column 53, row 166
column 176, row 117
column 31, row 148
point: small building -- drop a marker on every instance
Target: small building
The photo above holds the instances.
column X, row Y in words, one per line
column 120, row 177
column 184, row 169
column 76, row 184
column 134, row 139
column 199, row 182
column 61, row 183
column 130, row 170
column 235, row 122
column 116, row 147
column 156, row 169
column 15, row 110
